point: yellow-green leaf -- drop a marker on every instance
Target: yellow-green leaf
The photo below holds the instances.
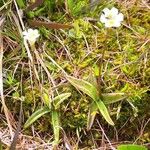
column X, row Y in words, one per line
column 102, row 108
column 47, row 100
column 36, row 115
column 91, row 115
column 131, row 147
column 84, row 86
column 59, row 99
column 109, row 98
column 91, row 91
column 56, row 126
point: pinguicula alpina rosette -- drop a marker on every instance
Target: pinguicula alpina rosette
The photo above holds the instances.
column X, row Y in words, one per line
column 111, row 17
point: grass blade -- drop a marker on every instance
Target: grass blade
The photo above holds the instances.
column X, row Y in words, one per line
column 1, row 145
column 36, row 115
column 21, row 3
column 50, row 25
column 34, row 5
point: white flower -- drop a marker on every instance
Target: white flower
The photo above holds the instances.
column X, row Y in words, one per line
column 111, row 17
column 31, row 35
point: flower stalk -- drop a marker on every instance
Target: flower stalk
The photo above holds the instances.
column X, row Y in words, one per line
column 30, row 36
column 100, row 64
column 111, row 18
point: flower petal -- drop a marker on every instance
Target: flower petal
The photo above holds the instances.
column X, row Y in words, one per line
column 117, row 24
column 109, row 24
column 114, row 11
column 24, row 33
column 103, row 19
column 106, row 11
column 36, row 31
column 30, row 31
column 120, row 17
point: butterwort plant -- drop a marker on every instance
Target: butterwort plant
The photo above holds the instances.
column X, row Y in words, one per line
column 50, row 105
column 111, row 18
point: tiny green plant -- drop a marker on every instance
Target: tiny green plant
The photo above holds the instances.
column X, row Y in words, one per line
column 98, row 102
column 51, row 106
